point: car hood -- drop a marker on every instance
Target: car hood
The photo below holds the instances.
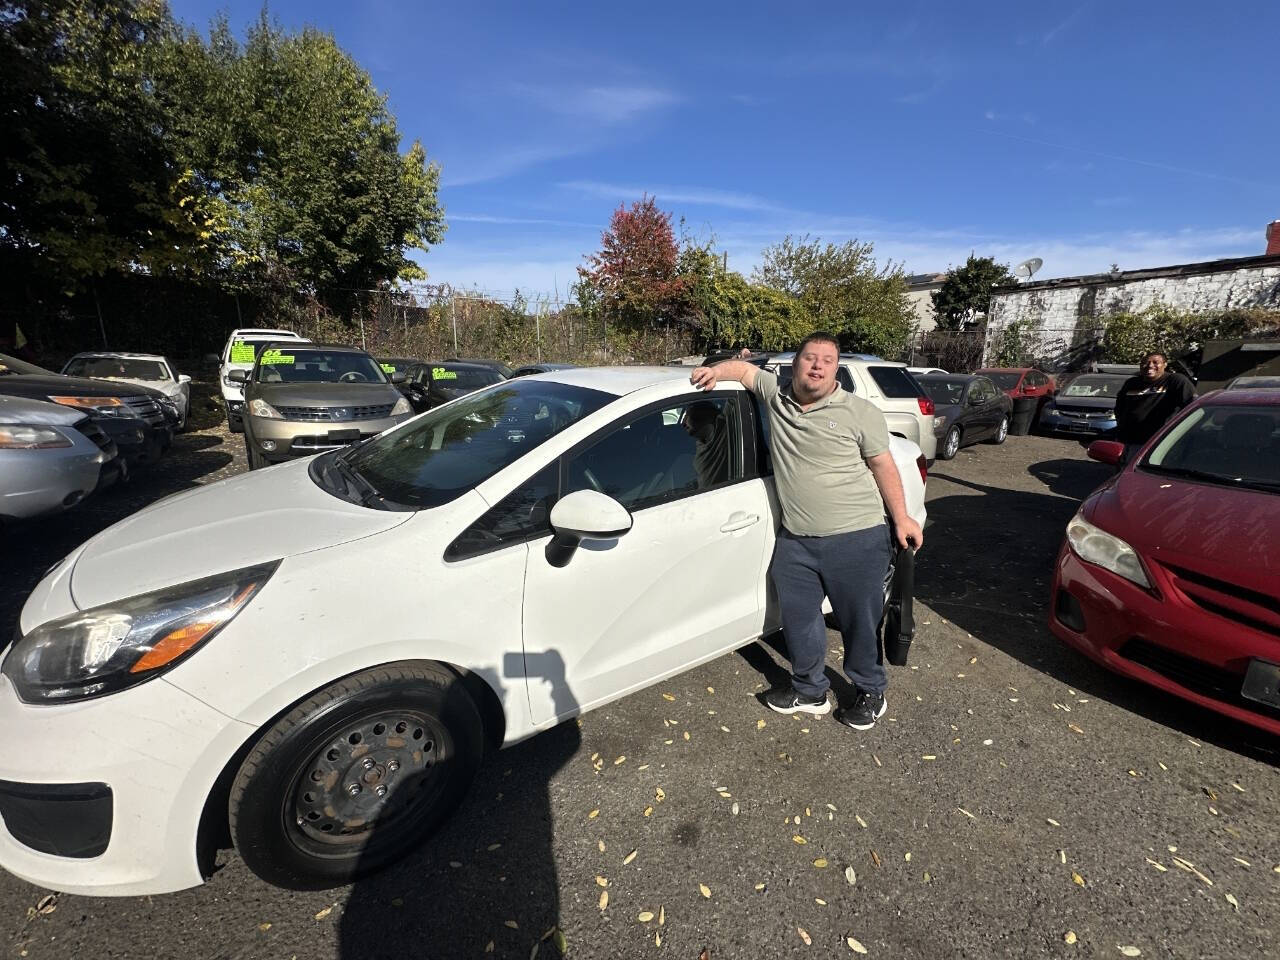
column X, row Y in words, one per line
column 56, row 385
column 24, row 410
column 1230, row 533
column 170, row 388
column 1085, row 403
column 253, row 518
column 325, row 394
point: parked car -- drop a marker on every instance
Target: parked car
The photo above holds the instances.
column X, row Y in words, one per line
column 240, row 353
column 1170, row 572
column 145, row 369
column 51, row 458
column 352, row 630
column 1020, row 381
column 130, row 415
column 497, row 365
column 531, row 368
column 1254, row 383
column 908, row 410
column 392, row 365
column 305, row 398
column 428, row 385
column 968, row 408
column 1085, row 407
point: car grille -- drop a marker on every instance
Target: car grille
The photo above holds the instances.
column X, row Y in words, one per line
column 1251, row 608
column 336, row 414
column 1194, row 675
column 309, row 442
column 146, row 408
column 1092, row 413
column 96, row 435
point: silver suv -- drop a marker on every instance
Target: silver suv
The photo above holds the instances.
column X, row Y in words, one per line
column 906, row 407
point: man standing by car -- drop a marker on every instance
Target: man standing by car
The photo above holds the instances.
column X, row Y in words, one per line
column 835, row 480
column 1148, row 401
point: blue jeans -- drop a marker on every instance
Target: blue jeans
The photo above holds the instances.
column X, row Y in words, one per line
column 849, row 568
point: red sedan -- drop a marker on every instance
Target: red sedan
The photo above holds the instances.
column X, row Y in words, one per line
column 1170, row 572
column 1020, row 381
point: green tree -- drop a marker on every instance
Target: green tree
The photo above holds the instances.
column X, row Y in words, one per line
column 730, row 311
column 965, row 296
column 840, row 288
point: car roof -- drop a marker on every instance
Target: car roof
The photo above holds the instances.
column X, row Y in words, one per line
column 1008, row 370
column 617, row 380
column 264, row 332
column 949, row 376
column 1256, row 397
column 117, row 355
column 330, row 347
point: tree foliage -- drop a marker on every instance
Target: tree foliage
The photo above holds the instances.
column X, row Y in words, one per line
column 965, row 296
column 633, row 279
column 1127, row 336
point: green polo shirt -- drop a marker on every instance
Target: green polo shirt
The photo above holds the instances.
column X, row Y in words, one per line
column 820, row 459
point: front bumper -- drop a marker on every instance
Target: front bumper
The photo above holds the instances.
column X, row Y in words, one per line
column 135, row 767
column 46, row 481
column 1053, row 421
column 290, row 439
column 138, row 440
column 1160, row 641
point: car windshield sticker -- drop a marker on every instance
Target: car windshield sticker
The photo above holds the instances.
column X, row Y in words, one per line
column 440, row 373
column 275, row 356
column 241, row 352
column 388, row 367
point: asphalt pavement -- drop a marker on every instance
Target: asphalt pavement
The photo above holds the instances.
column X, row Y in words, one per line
column 1015, row 801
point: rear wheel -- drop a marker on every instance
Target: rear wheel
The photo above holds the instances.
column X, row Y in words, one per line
column 950, row 444
column 1002, row 431
column 356, row 776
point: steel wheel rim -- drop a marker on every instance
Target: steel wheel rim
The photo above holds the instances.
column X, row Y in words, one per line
column 374, row 772
column 1004, row 429
column 953, row 443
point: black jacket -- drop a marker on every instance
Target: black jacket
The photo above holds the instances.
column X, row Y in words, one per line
column 1143, row 407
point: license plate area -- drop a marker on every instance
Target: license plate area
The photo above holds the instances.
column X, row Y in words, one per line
column 344, row 436
column 1262, row 683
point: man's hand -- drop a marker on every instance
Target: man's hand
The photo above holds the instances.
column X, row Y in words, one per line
column 908, row 533
column 704, row 378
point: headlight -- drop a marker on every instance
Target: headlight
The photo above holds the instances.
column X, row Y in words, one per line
column 99, row 651
column 402, row 406
column 1095, row 545
column 16, row 437
column 260, row 408
column 102, row 406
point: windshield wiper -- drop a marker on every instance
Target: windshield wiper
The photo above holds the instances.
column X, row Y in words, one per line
column 355, row 480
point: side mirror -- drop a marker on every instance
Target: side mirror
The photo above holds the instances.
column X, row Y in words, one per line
column 584, row 515
column 183, row 378
column 238, row 376
column 398, row 377
column 1106, row 451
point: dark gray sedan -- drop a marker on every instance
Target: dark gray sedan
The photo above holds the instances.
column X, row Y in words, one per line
column 967, row 409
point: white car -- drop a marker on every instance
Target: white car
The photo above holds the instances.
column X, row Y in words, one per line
column 324, row 673
column 906, row 407
column 924, row 371
column 144, row 369
column 239, row 353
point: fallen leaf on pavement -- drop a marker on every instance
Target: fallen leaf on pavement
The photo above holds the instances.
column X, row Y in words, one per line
column 804, row 935
column 659, row 795
column 850, row 875
column 645, row 916
column 667, row 696
column 854, row 945
column 648, row 811
column 1129, row 951
column 1069, row 936
column 799, row 839
column 1234, row 902
column 734, row 808
column 1077, row 879
column 264, row 927
column 820, row 863
column 593, row 814
column 324, row 913
column 511, row 923
column 704, row 890
column 1052, row 822
column 662, row 915
column 601, row 882
column 559, row 939
column 760, row 724
column 604, row 899
column 1159, row 866
column 966, row 813
column 875, row 858
column 621, row 759
column 629, row 857
column 862, row 823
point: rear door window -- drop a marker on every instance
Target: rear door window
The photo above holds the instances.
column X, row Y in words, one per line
column 894, row 382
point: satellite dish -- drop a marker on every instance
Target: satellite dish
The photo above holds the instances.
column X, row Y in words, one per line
column 1027, row 268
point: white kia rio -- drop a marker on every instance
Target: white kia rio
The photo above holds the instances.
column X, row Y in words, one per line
column 315, row 656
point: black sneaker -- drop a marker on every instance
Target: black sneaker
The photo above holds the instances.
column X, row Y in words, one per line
column 787, row 700
column 865, row 710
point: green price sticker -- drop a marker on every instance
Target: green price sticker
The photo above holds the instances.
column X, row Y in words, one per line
column 275, row 356
column 388, row 367
column 440, row 373
column 241, row 352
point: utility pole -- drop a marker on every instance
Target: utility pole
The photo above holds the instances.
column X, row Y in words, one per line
column 453, row 309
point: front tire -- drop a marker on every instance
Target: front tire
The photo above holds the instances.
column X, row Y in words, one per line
column 356, row 776
column 1002, row 432
column 950, row 444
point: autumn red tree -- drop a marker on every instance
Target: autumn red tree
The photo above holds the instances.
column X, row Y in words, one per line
column 633, row 280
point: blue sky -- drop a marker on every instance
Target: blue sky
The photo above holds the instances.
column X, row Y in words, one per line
column 1082, row 133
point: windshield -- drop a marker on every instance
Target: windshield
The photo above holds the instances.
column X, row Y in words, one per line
column 1094, row 387
column 114, row 368
column 1005, row 381
column 295, row 365
column 12, row 365
column 245, row 352
column 463, row 378
column 1236, row 445
column 444, row 453
column 395, row 364
column 944, row 391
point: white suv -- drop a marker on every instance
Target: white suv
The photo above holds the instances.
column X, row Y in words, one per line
column 906, row 407
column 239, row 353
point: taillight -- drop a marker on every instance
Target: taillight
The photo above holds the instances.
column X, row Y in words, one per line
column 924, row 468
column 926, row 406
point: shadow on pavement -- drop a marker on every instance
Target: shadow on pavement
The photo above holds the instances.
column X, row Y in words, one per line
column 988, row 568
column 489, row 875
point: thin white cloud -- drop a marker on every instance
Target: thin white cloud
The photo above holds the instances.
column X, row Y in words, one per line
column 516, row 221
column 1071, row 18
column 600, row 104
column 694, row 196
column 506, row 162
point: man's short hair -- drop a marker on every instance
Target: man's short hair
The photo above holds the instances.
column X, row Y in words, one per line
column 1154, row 353
column 818, row 336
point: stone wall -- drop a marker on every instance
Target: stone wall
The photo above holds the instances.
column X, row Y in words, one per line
column 1062, row 315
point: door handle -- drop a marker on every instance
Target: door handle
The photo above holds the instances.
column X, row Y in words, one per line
column 739, row 521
